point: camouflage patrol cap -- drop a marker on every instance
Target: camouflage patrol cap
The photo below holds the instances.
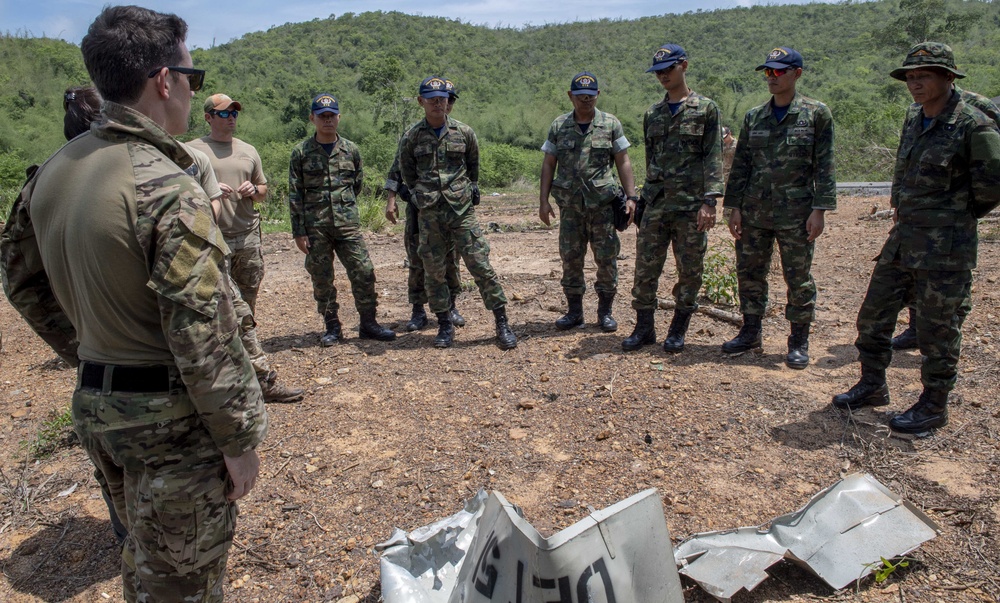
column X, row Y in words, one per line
column 926, row 55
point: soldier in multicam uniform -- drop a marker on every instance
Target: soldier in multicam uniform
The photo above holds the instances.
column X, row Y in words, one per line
column 324, row 178
column 728, row 151
column 411, row 237
column 114, row 259
column 240, row 173
column 580, row 150
column 683, row 184
column 781, row 184
column 439, row 162
column 907, row 340
column 947, row 175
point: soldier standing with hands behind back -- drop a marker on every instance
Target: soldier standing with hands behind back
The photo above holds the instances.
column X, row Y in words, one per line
column 781, row 184
column 580, row 150
column 683, row 185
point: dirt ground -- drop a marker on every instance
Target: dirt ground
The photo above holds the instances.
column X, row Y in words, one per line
column 400, row 434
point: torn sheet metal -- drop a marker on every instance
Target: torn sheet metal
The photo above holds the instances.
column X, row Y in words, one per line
column 840, row 536
column 621, row 553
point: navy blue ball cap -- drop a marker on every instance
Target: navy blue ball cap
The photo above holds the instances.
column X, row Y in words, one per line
column 325, row 103
column 666, row 55
column 584, row 83
column 452, row 90
column 782, row 57
column 434, row 87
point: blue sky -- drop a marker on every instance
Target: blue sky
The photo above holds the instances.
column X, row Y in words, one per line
column 221, row 22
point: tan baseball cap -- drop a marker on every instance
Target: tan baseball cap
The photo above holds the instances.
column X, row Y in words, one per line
column 221, row 102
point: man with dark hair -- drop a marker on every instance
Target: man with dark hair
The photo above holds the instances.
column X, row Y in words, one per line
column 113, row 258
column 947, row 175
column 780, row 187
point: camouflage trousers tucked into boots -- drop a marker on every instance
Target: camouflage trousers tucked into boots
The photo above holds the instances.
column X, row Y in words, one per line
column 416, row 294
column 578, row 229
column 754, row 251
column 659, row 230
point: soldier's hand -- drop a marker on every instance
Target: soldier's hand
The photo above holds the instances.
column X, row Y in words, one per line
column 545, row 212
column 815, row 224
column 391, row 212
column 225, row 188
column 736, row 224
column 247, row 189
column 302, row 243
column 630, row 211
column 243, row 472
column 706, row 218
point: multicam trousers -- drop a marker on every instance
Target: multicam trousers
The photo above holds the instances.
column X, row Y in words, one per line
column 246, row 265
column 659, row 230
column 938, row 297
column 578, row 228
column 415, row 280
column 167, row 481
column 441, row 226
column 754, row 250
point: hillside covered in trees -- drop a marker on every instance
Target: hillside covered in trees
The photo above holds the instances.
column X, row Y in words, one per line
column 513, row 81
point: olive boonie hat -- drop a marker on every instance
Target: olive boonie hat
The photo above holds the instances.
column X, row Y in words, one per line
column 666, row 56
column 780, row 58
column 584, row 83
column 325, row 103
column 221, row 102
column 434, row 87
column 926, row 55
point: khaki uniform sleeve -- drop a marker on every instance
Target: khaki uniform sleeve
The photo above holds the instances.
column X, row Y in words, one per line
column 27, row 286
column 200, row 325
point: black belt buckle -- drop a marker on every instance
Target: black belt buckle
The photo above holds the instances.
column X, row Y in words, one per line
column 135, row 379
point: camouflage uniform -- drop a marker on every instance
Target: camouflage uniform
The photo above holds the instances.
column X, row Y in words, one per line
column 235, row 162
column 584, row 186
column 683, row 167
column 781, row 172
column 322, row 191
column 165, row 386
column 416, row 294
column 441, row 173
column 946, row 175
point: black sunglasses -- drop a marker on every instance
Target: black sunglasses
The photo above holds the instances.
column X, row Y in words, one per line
column 196, row 77
column 225, row 113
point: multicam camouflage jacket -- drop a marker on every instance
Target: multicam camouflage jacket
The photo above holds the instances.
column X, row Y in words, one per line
column 318, row 183
column 436, row 169
column 946, row 176
column 683, row 153
column 112, row 256
column 783, row 170
column 584, row 174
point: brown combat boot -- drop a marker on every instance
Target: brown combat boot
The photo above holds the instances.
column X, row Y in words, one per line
column 276, row 392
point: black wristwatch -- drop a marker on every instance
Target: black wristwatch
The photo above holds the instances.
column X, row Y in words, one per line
column 633, row 198
column 711, row 201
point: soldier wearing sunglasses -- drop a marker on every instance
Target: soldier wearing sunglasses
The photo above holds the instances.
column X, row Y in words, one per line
column 780, row 186
column 239, row 170
column 113, row 258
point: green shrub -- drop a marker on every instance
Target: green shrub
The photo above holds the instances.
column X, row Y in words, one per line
column 500, row 165
column 720, row 284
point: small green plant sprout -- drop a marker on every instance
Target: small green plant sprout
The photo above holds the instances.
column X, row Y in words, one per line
column 884, row 568
column 719, row 278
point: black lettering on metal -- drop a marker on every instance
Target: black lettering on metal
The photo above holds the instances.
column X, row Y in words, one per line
column 486, row 568
column 601, row 568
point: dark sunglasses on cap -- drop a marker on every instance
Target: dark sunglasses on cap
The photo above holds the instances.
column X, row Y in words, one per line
column 225, row 113
column 768, row 72
column 196, row 77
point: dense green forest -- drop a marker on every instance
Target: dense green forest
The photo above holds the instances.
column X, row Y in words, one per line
column 513, row 82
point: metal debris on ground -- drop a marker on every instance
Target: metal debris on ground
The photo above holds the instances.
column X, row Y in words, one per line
column 840, row 535
column 489, row 552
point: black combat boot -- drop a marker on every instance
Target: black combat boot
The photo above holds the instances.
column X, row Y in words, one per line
column 747, row 339
column 678, row 329
column 506, row 340
column 370, row 329
column 418, row 319
column 574, row 315
column 907, row 340
column 605, row 320
column 456, row 319
column 930, row 411
column 871, row 390
column 798, row 346
column 446, row 331
column 643, row 333
column 332, row 334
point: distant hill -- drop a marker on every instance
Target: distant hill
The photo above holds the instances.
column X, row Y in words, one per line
column 513, row 82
